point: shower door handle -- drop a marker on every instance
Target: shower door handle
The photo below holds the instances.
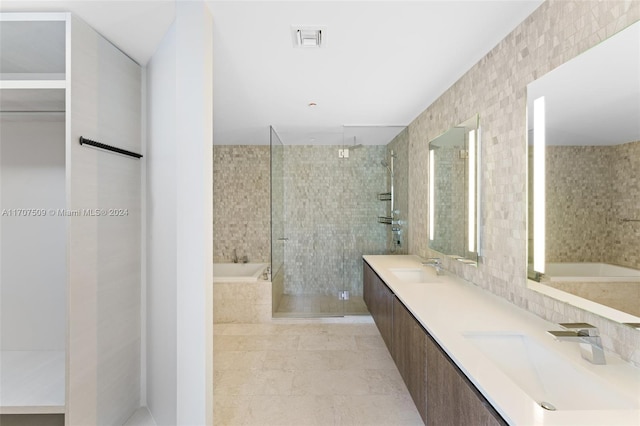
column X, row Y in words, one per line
column 283, row 239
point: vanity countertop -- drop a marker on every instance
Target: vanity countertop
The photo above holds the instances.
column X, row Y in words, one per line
column 451, row 310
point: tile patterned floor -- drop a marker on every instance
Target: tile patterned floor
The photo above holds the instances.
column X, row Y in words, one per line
column 307, row 372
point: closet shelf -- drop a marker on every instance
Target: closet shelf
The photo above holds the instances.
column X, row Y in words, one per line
column 32, row 382
column 33, row 84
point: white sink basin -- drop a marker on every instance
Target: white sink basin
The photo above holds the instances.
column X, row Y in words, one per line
column 414, row 275
column 548, row 377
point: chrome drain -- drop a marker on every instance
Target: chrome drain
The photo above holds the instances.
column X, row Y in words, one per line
column 547, row 406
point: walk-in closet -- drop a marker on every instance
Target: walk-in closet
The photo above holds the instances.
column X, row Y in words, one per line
column 70, row 224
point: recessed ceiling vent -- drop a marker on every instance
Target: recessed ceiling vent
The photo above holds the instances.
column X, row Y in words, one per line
column 307, row 36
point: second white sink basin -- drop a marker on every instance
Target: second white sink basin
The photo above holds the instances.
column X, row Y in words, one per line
column 547, row 377
column 414, row 275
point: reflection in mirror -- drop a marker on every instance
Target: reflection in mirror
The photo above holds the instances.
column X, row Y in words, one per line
column 453, row 169
column 584, row 178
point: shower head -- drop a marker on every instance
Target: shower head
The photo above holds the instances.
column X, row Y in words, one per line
column 385, row 164
column 355, row 145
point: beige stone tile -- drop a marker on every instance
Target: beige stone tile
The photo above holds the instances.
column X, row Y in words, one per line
column 367, row 343
column 299, row 360
column 230, row 410
column 239, row 360
column 379, row 360
column 376, row 410
column 246, row 382
column 233, row 382
column 327, row 342
column 244, row 329
column 255, row 343
column 307, row 410
column 385, row 382
column 331, row 382
column 369, row 329
column 310, row 374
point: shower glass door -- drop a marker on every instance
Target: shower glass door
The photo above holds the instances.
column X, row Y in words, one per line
column 327, row 198
column 307, row 229
column 278, row 237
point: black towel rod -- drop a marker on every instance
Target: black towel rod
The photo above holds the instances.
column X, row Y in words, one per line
column 85, row 141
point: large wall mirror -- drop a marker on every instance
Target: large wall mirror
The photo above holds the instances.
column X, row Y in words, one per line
column 453, row 177
column 584, row 179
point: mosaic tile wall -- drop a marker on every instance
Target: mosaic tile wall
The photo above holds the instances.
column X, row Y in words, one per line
column 495, row 88
column 578, row 203
column 400, row 147
column 331, row 211
column 589, row 189
column 449, row 188
column 241, row 202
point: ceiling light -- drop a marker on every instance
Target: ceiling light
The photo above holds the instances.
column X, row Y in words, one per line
column 306, row 36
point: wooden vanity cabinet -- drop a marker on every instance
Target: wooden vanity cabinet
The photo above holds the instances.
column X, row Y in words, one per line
column 379, row 299
column 441, row 392
column 452, row 398
column 409, row 352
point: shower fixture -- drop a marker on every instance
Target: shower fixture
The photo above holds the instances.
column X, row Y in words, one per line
column 355, row 145
column 385, row 164
column 392, row 218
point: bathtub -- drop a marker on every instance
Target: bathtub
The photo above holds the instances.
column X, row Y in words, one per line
column 240, row 294
column 238, row 272
column 590, row 272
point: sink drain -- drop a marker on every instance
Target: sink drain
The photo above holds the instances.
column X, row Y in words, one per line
column 547, row 406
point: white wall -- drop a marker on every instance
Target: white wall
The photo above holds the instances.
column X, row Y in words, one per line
column 179, row 206
column 161, row 232
column 104, row 251
column 33, row 263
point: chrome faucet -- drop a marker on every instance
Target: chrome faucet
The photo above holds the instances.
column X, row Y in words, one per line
column 234, row 258
column 587, row 336
column 436, row 263
column 244, row 259
column 266, row 275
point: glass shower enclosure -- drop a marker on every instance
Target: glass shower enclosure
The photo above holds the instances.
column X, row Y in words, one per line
column 324, row 217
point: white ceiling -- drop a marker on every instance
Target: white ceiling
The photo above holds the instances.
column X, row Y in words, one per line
column 135, row 26
column 382, row 64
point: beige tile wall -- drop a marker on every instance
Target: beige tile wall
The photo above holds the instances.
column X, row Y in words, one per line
column 495, row 88
column 589, row 189
column 331, row 211
column 241, row 202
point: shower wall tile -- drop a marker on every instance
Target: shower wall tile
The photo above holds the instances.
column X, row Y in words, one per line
column 241, row 202
column 331, row 210
column 495, row 88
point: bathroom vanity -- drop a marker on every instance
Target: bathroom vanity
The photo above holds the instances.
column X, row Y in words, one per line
column 470, row 357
